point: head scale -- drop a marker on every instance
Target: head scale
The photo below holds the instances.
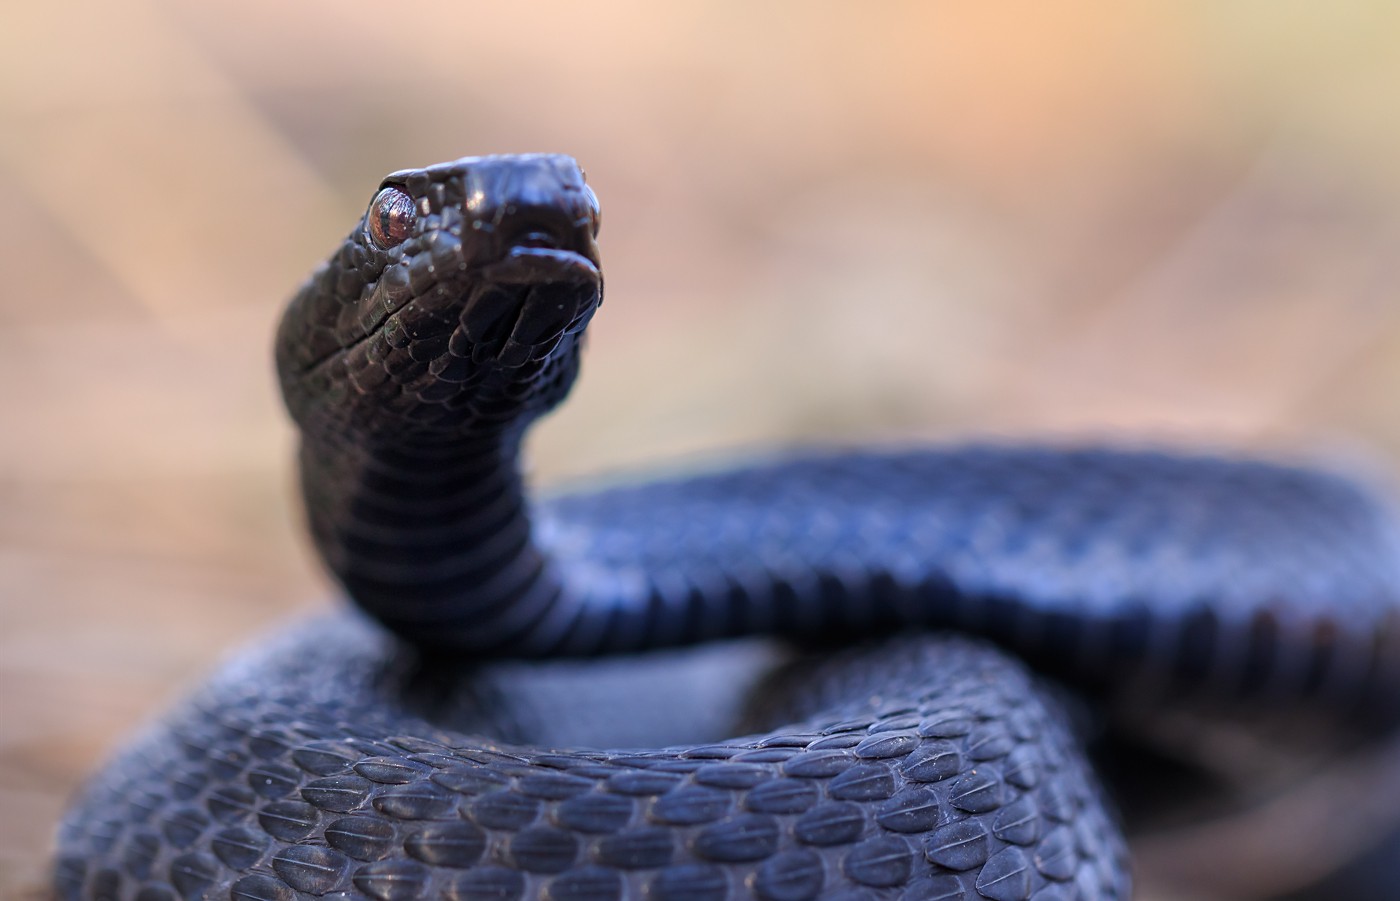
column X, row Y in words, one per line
column 454, row 307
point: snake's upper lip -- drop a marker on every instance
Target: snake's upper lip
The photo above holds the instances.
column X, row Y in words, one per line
column 532, row 263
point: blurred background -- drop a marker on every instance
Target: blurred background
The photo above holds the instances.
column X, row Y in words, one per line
column 1178, row 222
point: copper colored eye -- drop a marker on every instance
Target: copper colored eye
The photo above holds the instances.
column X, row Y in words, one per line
column 390, row 217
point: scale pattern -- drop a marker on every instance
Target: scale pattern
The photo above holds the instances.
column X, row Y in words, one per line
column 1265, row 585
column 416, row 359
column 935, row 769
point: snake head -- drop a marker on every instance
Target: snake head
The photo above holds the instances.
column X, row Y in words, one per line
column 455, row 305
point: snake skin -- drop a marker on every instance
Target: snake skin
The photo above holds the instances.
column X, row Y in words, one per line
column 340, row 762
column 935, row 771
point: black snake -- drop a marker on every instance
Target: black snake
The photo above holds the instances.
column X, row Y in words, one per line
column 1177, row 595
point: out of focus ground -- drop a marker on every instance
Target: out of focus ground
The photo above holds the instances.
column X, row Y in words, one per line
column 1173, row 221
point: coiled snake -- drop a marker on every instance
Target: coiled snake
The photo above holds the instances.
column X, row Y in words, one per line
column 1177, row 595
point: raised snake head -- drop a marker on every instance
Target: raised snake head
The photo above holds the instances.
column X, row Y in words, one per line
column 456, row 304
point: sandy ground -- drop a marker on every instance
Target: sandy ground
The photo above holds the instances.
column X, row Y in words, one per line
column 822, row 222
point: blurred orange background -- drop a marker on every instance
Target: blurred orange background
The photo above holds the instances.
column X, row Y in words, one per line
column 822, row 221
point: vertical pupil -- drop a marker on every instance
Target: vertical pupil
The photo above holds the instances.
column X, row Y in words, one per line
column 390, row 218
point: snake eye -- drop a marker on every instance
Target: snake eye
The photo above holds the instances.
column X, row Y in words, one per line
column 390, row 218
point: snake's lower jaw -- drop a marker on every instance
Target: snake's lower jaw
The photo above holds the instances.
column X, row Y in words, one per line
column 533, row 299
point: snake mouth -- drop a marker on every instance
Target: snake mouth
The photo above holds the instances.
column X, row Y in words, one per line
column 571, row 279
column 530, row 263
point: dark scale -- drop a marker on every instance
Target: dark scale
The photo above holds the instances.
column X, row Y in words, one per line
column 454, row 740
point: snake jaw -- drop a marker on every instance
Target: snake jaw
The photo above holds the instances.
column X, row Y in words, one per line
column 526, row 264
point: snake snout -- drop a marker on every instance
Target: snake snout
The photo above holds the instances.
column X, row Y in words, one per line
column 552, row 235
column 536, row 205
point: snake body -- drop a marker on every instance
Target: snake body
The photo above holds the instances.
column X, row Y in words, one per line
column 909, row 739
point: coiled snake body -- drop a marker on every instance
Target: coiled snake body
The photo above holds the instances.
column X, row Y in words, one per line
column 343, row 761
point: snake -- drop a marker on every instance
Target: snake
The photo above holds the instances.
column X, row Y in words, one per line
column 887, row 672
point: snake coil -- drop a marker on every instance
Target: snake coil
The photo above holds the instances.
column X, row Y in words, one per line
column 544, row 717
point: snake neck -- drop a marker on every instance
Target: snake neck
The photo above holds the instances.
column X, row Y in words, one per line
column 431, row 538
column 438, row 541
